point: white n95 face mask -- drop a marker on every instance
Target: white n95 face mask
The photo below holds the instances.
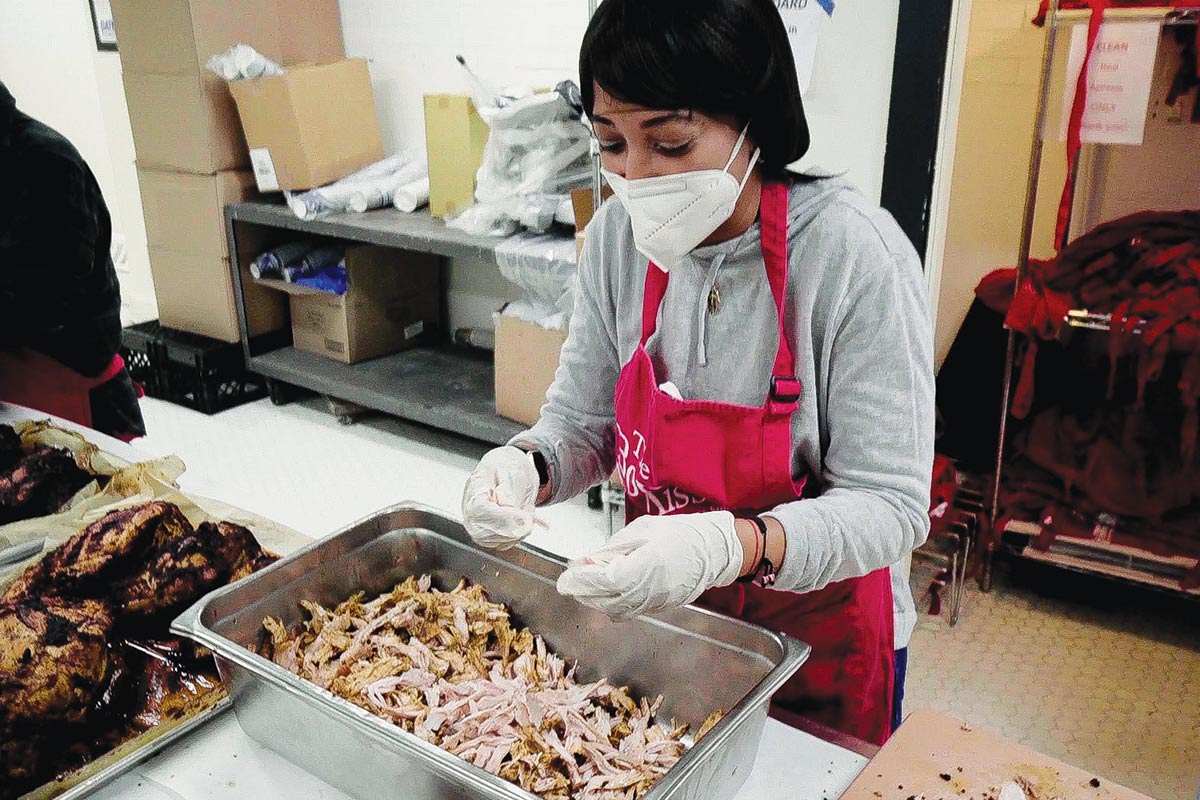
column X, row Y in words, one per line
column 673, row 214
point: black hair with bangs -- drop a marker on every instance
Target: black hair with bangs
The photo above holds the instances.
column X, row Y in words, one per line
column 712, row 56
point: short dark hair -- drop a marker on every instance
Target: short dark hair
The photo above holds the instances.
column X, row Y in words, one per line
column 713, row 56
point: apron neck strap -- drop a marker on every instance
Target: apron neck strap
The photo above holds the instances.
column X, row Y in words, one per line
column 773, row 223
column 774, row 235
column 656, row 289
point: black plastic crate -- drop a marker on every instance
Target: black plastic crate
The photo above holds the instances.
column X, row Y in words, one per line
column 189, row 370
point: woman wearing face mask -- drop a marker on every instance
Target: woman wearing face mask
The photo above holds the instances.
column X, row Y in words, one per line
column 750, row 348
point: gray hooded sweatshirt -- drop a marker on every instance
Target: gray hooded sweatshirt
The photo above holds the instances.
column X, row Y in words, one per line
column 858, row 317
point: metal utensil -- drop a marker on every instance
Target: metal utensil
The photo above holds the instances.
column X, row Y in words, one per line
column 19, row 552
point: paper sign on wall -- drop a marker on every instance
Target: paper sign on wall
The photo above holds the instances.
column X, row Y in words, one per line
column 1119, row 77
column 804, row 20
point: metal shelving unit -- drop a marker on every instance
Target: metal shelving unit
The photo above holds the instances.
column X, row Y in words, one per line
column 444, row 386
column 1127, row 564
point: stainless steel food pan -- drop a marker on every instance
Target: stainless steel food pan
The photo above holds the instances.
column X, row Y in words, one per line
column 699, row 662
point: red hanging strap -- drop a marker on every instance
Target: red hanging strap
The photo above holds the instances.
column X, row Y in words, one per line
column 1075, row 124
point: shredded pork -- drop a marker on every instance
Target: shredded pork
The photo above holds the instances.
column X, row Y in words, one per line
column 451, row 668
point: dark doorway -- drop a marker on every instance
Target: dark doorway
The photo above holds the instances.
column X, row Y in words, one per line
column 918, row 75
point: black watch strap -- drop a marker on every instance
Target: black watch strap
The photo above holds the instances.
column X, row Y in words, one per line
column 762, row 574
column 539, row 462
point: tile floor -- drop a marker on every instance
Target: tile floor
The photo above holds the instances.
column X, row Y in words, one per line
column 1112, row 688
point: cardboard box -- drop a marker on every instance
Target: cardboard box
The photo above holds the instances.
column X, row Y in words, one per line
column 394, row 302
column 179, row 36
column 581, row 204
column 526, row 359
column 455, row 137
column 182, row 115
column 312, row 125
column 195, row 294
column 184, row 122
column 186, row 212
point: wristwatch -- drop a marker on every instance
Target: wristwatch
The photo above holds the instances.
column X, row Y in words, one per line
column 539, row 463
column 763, row 573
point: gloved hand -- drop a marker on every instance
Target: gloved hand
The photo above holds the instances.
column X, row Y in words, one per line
column 656, row 563
column 499, row 498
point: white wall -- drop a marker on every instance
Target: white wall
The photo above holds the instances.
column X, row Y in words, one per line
column 49, row 61
column 849, row 98
column 412, row 47
column 48, row 58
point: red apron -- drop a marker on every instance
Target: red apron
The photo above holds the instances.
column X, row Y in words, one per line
column 37, row 381
column 687, row 456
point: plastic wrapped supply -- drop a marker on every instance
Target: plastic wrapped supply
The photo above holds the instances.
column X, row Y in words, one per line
column 243, row 61
column 271, row 263
column 543, row 267
column 314, row 261
column 538, row 150
column 380, row 192
column 411, row 196
column 370, row 187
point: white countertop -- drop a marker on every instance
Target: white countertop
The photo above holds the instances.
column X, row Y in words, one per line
column 221, row 761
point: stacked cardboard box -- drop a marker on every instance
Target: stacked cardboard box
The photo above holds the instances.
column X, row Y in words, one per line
column 192, row 157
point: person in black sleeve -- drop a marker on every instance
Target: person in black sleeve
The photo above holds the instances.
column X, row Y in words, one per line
column 60, row 304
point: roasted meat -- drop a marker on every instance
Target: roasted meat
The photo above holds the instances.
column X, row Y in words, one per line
column 451, row 668
column 116, row 544
column 168, row 681
column 182, row 570
column 53, row 658
column 239, row 550
column 39, row 484
column 22, row 753
column 10, row 448
column 85, row 660
column 185, row 568
column 118, row 539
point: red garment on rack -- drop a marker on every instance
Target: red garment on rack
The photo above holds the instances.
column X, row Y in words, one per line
column 1144, row 270
column 943, row 492
column 996, row 289
column 1125, row 464
column 1031, row 494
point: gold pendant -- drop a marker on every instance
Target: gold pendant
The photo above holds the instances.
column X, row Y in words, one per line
column 714, row 300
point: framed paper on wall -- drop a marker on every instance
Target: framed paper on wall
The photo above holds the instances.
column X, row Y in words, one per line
column 102, row 25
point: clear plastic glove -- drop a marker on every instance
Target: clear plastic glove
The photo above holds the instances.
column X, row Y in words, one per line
column 656, row 563
column 499, row 498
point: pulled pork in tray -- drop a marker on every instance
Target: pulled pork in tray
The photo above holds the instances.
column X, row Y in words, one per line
column 451, row 668
column 86, row 662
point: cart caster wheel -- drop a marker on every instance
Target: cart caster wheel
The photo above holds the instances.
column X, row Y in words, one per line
column 281, row 393
column 594, row 500
column 345, row 412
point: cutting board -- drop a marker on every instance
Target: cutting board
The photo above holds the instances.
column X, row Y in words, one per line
column 930, row 747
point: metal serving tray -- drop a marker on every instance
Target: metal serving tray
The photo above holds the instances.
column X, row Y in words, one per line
column 700, row 662
column 84, row 781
